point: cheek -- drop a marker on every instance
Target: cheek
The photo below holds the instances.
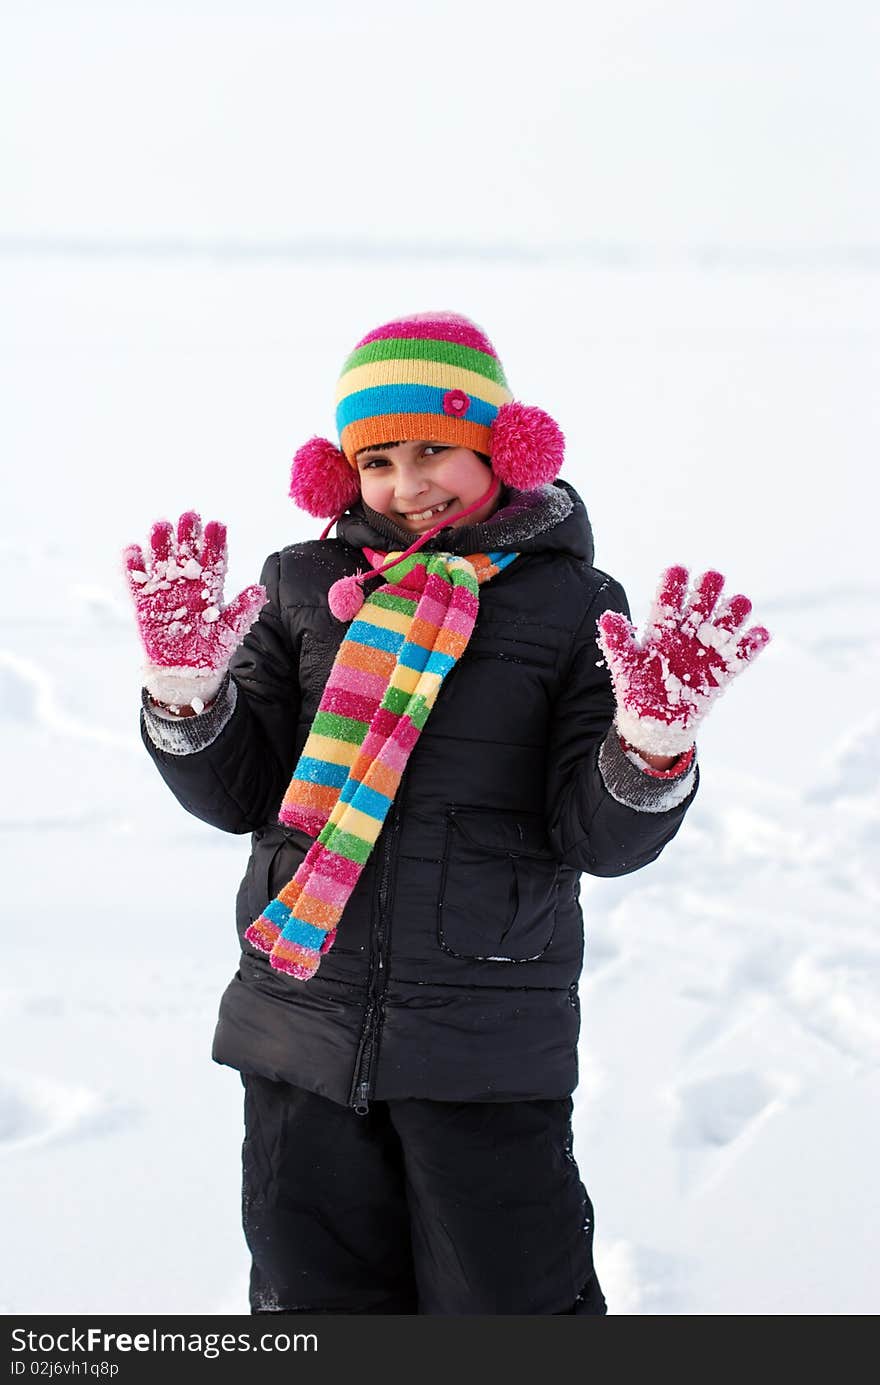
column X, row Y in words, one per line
column 466, row 481
column 376, row 487
column 370, row 481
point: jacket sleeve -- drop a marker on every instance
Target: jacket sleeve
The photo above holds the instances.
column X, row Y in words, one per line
column 231, row 765
column 606, row 816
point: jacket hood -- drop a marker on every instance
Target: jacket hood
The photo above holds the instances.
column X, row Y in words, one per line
column 552, row 518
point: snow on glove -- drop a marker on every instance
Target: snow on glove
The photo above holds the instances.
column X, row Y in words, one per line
column 187, row 632
column 666, row 682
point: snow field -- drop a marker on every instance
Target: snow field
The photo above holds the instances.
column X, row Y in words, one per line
column 726, row 1119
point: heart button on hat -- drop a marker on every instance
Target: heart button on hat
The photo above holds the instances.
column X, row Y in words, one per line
column 456, row 402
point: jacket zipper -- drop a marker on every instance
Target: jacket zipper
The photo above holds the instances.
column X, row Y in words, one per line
column 378, row 967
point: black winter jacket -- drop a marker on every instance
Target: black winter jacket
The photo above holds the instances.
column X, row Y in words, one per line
column 454, row 973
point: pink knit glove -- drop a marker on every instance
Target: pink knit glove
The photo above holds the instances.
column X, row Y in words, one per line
column 187, row 632
column 665, row 682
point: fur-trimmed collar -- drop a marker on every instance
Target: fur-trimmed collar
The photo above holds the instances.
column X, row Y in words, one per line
column 550, row 518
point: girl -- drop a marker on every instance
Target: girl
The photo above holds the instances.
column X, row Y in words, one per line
column 435, row 722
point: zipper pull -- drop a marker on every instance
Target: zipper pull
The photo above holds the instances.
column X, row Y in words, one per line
column 362, row 1106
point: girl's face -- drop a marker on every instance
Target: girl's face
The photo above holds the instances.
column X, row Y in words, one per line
column 420, row 484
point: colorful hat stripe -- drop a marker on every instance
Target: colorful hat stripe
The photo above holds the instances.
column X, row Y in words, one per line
column 437, row 592
column 406, row 399
column 451, row 327
column 458, row 432
column 441, row 352
column 437, row 373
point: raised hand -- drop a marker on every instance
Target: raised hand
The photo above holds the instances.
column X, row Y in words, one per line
column 666, row 681
column 187, row 632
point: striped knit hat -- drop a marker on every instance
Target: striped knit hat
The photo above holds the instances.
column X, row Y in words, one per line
column 434, row 376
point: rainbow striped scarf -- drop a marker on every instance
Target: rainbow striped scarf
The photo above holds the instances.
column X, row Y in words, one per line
column 384, row 682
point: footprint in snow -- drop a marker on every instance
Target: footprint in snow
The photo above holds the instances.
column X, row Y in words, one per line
column 19, row 695
column 852, row 766
column 717, row 1117
column 28, row 695
column 717, row 1110
column 34, row 1112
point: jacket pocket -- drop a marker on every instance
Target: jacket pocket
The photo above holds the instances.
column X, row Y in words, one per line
column 528, row 653
column 498, row 887
column 317, row 652
column 277, row 854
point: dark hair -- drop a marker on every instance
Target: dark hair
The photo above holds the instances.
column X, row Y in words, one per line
column 386, row 447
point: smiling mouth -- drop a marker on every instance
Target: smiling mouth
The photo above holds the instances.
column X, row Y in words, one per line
column 419, row 515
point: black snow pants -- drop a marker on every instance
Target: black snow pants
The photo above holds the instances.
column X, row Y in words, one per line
column 416, row 1207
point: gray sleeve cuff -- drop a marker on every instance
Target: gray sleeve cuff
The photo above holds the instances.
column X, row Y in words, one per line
column 633, row 788
column 186, row 735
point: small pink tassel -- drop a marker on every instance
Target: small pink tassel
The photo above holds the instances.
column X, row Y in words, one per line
column 346, row 597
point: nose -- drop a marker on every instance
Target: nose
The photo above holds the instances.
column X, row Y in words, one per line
column 411, row 484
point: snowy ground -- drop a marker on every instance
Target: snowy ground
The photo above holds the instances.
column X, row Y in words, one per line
column 726, row 1122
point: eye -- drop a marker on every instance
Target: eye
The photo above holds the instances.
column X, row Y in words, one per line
column 372, row 462
column 436, row 448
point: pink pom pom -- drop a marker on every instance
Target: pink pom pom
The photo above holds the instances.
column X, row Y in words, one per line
column 528, row 447
column 321, row 480
column 346, row 597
